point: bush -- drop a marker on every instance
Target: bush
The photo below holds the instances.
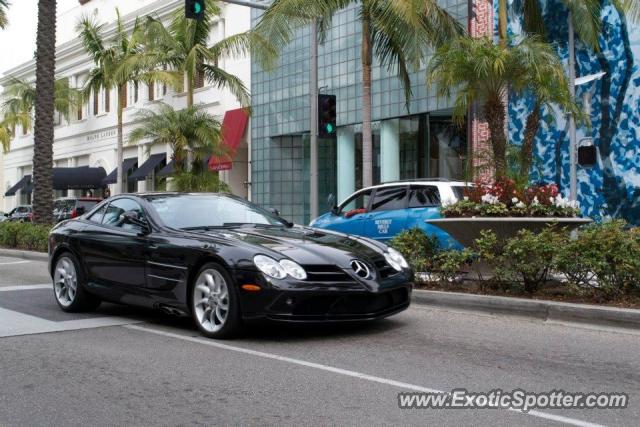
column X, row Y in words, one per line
column 24, row 235
column 417, row 247
column 605, row 257
column 529, row 257
column 448, row 264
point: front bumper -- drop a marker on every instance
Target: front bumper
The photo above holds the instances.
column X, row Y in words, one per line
column 320, row 304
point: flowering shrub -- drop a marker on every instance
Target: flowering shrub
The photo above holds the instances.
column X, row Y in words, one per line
column 502, row 198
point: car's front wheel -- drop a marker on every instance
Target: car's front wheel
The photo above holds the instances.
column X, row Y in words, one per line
column 68, row 286
column 214, row 303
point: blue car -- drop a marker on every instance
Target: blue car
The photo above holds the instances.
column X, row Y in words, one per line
column 382, row 211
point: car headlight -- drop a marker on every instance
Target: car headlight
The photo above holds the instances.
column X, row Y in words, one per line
column 395, row 259
column 293, row 269
column 279, row 270
column 270, row 267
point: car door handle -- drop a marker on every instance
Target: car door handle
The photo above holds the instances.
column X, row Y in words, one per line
column 152, row 246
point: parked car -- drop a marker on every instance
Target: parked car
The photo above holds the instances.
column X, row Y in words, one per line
column 72, row 207
column 223, row 261
column 3, row 216
column 382, row 211
column 22, row 213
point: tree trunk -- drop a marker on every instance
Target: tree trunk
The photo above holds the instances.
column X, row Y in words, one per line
column 367, row 137
column 530, row 131
column 120, row 184
column 494, row 113
column 43, row 132
column 189, row 91
column 502, row 22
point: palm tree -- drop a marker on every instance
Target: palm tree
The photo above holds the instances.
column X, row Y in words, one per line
column 123, row 60
column 481, row 71
column 4, row 5
column 188, row 130
column 184, row 43
column 20, row 99
column 396, row 32
column 5, row 137
column 44, row 111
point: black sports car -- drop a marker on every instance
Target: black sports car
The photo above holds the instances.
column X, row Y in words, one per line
column 222, row 260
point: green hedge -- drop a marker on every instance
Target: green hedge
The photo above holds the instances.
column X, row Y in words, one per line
column 24, row 235
column 603, row 260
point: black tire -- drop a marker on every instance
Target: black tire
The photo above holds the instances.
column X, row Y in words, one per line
column 232, row 325
column 82, row 300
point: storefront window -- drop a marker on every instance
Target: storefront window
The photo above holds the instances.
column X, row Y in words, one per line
column 447, row 149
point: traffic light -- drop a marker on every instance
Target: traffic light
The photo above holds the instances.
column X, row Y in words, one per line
column 326, row 116
column 194, row 9
column 587, row 156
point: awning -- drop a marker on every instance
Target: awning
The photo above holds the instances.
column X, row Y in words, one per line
column 233, row 127
column 169, row 168
column 22, row 183
column 147, row 167
column 127, row 165
column 80, row 178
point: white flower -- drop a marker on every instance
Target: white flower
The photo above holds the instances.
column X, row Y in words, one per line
column 520, row 205
column 446, row 202
column 466, row 198
column 490, row 199
column 535, row 201
column 514, row 200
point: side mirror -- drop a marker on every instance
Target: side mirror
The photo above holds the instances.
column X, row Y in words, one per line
column 275, row 211
column 131, row 217
column 334, row 210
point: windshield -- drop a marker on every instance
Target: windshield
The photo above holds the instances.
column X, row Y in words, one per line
column 207, row 211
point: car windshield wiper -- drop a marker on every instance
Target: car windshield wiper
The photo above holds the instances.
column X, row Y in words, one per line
column 249, row 224
column 201, row 227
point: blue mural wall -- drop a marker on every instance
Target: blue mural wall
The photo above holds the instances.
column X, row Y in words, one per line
column 611, row 188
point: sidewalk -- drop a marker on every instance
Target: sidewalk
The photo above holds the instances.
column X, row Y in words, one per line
column 538, row 309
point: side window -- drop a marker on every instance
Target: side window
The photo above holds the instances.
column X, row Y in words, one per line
column 98, row 215
column 117, row 208
column 458, row 191
column 357, row 202
column 389, row 198
column 424, row 196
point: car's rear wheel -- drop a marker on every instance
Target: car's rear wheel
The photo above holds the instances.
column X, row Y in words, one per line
column 214, row 303
column 68, row 286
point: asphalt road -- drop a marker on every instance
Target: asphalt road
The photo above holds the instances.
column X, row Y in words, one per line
column 125, row 366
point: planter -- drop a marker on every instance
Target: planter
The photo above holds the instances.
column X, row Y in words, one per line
column 467, row 230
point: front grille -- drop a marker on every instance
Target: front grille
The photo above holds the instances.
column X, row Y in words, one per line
column 384, row 269
column 341, row 305
column 326, row 274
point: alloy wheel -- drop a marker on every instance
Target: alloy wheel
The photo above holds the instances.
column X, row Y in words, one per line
column 211, row 300
column 65, row 281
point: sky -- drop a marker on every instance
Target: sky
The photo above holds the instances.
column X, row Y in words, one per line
column 18, row 40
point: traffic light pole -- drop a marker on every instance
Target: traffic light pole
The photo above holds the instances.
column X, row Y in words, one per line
column 573, row 161
column 313, row 92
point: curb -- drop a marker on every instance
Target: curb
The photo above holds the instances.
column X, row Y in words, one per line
column 537, row 309
column 30, row 255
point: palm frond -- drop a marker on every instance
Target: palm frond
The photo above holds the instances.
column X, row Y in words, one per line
column 586, row 20
column 224, row 80
column 4, row 5
column 630, row 7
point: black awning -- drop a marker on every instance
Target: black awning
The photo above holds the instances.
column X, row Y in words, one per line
column 167, row 170
column 22, row 183
column 80, row 178
column 127, row 165
column 147, row 167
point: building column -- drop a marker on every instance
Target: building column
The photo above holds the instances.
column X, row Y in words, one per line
column 390, row 150
column 142, row 157
column 346, row 163
column 72, row 162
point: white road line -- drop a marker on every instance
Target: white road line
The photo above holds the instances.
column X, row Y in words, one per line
column 25, row 287
column 346, row 372
column 14, row 262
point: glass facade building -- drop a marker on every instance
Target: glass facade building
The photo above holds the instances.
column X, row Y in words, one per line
column 410, row 141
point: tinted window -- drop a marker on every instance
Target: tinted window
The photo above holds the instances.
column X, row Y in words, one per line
column 458, row 191
column 421, row 196
column 209, row 211
column 388, row 199
column 358, row 201
column 117, row 208
column 99, row 214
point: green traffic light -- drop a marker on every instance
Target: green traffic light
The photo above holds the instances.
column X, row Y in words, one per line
column 197, row 7
column 329, row 128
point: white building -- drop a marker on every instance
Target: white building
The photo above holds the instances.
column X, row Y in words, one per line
column 89, row 138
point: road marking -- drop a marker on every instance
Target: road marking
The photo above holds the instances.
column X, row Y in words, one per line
column 346, row 372
column 14, row 262
column 17, row 324
column 25, row 287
